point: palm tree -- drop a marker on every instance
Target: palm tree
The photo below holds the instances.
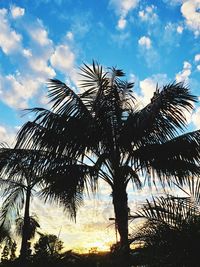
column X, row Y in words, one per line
column 100, row 133
column 48, row 245
column 171, row 233
column 17, row 182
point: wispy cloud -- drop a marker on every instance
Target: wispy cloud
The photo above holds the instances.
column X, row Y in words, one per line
column 184, row 74
column 122, row 8
column 10, row 40
column 17, row 12
column 190, row 11
column 145, row 42
column 63, row 59
column 148, row 14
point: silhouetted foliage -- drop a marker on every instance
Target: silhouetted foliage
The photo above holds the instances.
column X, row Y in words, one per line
column 171, row 234
column 5, row 253
column 13, row 251
column 48, row 245
column 101, row 133
column 32, row 229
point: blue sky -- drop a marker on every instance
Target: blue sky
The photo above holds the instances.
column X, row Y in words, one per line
column 152, row 41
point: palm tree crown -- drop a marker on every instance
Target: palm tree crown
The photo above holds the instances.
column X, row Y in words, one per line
column 99, row 133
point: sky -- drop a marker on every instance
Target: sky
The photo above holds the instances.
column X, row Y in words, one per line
column 154, row 42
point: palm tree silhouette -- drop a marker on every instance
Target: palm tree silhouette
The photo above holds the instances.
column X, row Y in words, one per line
column 17, row 182
column 100, row 133
column 171, row 233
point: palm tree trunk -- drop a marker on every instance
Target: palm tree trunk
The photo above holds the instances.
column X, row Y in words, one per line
column 25, row 229
column 120, row 202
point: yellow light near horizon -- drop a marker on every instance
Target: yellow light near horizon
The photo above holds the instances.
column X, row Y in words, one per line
column 99, row 245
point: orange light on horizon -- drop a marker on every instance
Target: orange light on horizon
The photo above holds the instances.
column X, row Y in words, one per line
column 97, row 246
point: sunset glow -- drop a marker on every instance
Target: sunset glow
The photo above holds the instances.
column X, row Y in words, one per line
column 154, row 42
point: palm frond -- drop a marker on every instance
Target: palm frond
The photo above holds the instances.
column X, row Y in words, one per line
column 59, row 133
column 65, row 184
column 21, row 166
column 11, row 206
column 32, row 227
column 177, row 158
column 170, row 210
column 162, row 119
column 129, row 174
column 191, row 187
column 94, row 78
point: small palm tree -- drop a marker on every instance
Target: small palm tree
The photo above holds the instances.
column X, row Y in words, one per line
column 101, row 134
column 171, row 233
column 18, row 181
column 48, row 245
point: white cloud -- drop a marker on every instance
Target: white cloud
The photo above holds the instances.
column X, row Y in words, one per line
column 196, row 118
column 122, row 8
column 7, row 135
column 179, row 29
column 148, row 14
column 145, row 42
column 10, row 40
column 38, row 55
column 70, row 36
column 27, row 53
column 121, row 23
column 63, row 58
column 39, row 34
column 198, row 67
column 190, row 11
column 17, row 11
column 15, row 91
column 183, row 76
column 197, row 58
column 148, row 87
column 40, row 66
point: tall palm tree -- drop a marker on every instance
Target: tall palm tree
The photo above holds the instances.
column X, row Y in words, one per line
column 17, row 182
column 100, row 133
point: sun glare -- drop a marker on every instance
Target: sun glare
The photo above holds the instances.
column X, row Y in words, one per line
column 94, row 247
column 99, row 246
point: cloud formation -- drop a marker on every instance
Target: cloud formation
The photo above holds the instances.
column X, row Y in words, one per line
column 7, row 135
column 10, row 40
column 190, row 11
column 63, row 59
column 183, row 76
column 16, row 90
column 39, row 34
column 145, row 42
column 196, row 118
column 122, row 8
column 148, row 14
column 17, row 11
